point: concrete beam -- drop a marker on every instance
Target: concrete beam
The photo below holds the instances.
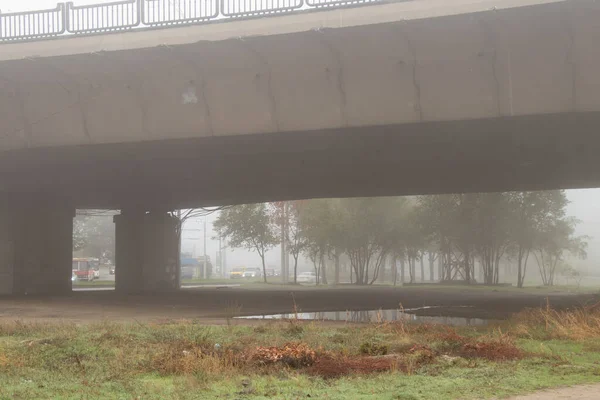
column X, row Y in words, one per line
column 478, row 62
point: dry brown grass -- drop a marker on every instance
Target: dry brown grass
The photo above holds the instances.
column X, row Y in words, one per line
column 577, row 324
column 295, row 355
column 181, row 358
column 185, row 349
column 330, row 367
column 500, row 348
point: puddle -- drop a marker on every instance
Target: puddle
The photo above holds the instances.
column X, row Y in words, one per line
column 375, row 316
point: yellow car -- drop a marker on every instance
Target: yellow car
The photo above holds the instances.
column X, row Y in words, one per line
column 237, row 273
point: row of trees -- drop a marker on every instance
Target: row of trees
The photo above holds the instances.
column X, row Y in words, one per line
column 459, row 232
column 94, row 233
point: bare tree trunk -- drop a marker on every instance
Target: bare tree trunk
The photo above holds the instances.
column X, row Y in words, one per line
column 431, row 266
column 411, row 269
column 402, row 265
column 262, row 258
column 422, row 268
column 337, row 267
column 317, row 268
column 520, row 267
column 414, row 270
column 296, row 268
column 395, row 270
column 323, row 270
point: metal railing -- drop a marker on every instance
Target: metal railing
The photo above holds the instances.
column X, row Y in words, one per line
column 33, row 24
column 67, row 18
column 157, row 12
column 242, row 8
column 337, row 3
column 105, row 17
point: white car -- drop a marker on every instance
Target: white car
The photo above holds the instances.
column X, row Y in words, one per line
column 307, row 277
column 252, row 273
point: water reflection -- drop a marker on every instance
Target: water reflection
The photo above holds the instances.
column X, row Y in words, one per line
column 374, row 316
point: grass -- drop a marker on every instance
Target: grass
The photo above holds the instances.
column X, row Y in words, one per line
column 527, row 289
column 290, row 359
column 93, row 283
column 220, row 281
column 239, row 281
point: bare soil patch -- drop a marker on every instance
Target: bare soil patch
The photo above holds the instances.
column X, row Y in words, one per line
column 216, row 306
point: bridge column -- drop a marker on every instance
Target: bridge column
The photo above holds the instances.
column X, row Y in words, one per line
column 146, row 252
column 36, row 245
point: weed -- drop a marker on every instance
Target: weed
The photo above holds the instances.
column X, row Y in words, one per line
column 545, row 323
column 373, row 349
column 232, row 310
column 294, row 328
column 168, row 360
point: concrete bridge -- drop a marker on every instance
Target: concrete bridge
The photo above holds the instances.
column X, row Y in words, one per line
column 415, row 97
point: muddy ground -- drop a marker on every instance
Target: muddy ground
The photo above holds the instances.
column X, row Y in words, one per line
column 216, row 305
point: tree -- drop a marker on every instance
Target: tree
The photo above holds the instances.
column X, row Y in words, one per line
column 570, row 272
column 531, row 212
column 319, row 224
column 94, row 233
column 370, row 229
column 447, row 223
column 80, row 233
column 249, row 226
column 556, row 240
column 296, row 239
column 491, row 218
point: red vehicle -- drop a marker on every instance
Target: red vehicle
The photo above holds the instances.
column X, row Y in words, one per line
column 83, row 269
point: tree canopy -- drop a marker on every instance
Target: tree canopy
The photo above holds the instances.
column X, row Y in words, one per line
column 470, row 235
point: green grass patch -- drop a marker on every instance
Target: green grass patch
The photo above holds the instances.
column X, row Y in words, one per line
column 292, row 359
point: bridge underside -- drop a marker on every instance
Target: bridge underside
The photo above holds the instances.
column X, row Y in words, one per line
column 482, row 100
column 497, row 154
column 485, row 100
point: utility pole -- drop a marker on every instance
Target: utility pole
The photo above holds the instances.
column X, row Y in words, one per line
column 224, row 258
column 219, row 258
column 205, row 263
column 179, row 239
column 284, row 277
column 287, row 234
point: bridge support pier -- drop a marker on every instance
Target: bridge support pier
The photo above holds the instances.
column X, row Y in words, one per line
column 146, row 252
column 36, row 245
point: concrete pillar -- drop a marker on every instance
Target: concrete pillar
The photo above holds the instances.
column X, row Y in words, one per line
column 146, row 252
column 36, row 245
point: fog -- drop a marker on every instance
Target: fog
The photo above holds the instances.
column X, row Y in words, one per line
column 583, row 205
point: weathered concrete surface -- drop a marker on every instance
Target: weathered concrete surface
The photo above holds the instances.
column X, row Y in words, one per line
column 514, row 61
column 384, row 100
column 520, row 153
column 146, row 253
column 36, row 245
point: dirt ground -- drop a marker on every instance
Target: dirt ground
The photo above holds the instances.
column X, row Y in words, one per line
column 215, row 305
column 585, row 392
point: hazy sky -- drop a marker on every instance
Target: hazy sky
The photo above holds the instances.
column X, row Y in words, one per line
column 584, row 203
